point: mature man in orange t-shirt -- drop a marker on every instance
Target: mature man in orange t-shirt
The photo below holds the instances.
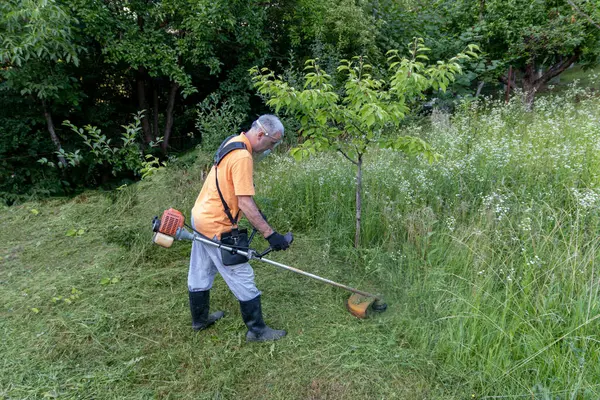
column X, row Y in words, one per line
column 225, row 197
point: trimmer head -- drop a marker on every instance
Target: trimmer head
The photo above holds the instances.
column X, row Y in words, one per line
column 362, row 306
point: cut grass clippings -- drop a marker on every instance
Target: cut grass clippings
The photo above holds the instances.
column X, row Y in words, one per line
column 127, row 333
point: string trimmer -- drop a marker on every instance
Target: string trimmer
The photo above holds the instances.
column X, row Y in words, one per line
column 171, row 226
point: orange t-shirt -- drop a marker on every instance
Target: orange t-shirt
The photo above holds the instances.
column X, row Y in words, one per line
column 235, row 179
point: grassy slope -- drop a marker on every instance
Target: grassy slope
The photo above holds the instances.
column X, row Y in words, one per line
column 585, row 77
column 132, row 338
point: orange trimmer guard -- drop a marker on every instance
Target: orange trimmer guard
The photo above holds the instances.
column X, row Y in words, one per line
column 359, row 305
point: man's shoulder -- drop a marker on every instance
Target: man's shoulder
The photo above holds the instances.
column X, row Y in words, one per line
column 238, row 154
column 233, row 149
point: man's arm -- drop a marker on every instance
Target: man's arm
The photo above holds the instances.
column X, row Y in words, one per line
column 250, row 210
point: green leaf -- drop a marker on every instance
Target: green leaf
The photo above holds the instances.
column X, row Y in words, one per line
column 370, row 120
column 34, row 211
column 35, row 310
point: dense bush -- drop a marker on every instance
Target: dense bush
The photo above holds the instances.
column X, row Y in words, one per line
column 101, row 161
column 216, row 121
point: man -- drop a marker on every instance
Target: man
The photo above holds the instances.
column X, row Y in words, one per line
column 225, row 196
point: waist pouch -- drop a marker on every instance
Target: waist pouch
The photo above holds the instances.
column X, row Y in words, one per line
column 238, row 238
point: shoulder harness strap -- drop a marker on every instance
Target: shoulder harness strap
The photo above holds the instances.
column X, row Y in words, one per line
column 226, row 148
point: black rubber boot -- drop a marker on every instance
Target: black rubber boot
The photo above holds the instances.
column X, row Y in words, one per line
column 199, row 304
column 258, row 331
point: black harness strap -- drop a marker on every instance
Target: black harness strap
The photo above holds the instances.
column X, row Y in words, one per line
column 224, row 149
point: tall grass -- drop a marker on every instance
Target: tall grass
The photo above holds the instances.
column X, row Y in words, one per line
column 496, row 245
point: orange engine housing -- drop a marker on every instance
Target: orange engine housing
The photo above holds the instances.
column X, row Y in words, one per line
column 170, row 221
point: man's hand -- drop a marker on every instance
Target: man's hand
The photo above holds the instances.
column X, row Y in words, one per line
column 277, row 241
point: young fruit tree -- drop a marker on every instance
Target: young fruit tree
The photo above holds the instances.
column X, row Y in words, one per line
column 364, row 111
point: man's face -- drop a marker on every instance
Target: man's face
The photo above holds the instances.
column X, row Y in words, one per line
column 266, row 140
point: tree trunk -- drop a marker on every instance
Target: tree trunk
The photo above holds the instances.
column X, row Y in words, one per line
column 479, row 87
column 509, row 80
column 532, row 83
column 358, row 201
column 529, row 99
column 481, row 9
column 169, row 116
column 529, row 86
column 142, row 104
column 155, row 109
column 53, row 136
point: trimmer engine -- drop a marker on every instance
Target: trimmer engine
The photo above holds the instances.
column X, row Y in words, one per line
column 167, row 227
column 170, row 221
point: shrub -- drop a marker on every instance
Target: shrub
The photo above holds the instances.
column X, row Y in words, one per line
column 216, row 121
column 102, row 158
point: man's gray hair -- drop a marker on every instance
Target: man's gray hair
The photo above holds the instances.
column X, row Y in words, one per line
column 270, row 123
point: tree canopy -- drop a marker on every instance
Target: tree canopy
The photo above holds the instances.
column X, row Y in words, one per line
column 539, row 39
column 364, row 110
column 98, row 63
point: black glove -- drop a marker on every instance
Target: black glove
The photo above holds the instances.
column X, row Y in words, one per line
column 277, row 241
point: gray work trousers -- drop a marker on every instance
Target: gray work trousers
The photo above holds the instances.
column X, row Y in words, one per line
column 206, row 261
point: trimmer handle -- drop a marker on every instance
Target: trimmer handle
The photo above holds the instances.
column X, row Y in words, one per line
column 288, row 238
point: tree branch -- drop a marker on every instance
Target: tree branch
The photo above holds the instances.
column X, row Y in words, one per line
column 558, row 68
column 353, row 123
column 504, row 79
column 345, row 155
column 590, row 20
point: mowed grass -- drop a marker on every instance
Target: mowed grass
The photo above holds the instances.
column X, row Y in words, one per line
column 124, row 331
column 488, row 261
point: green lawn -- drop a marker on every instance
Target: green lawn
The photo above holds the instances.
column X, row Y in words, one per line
column 68, row 333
